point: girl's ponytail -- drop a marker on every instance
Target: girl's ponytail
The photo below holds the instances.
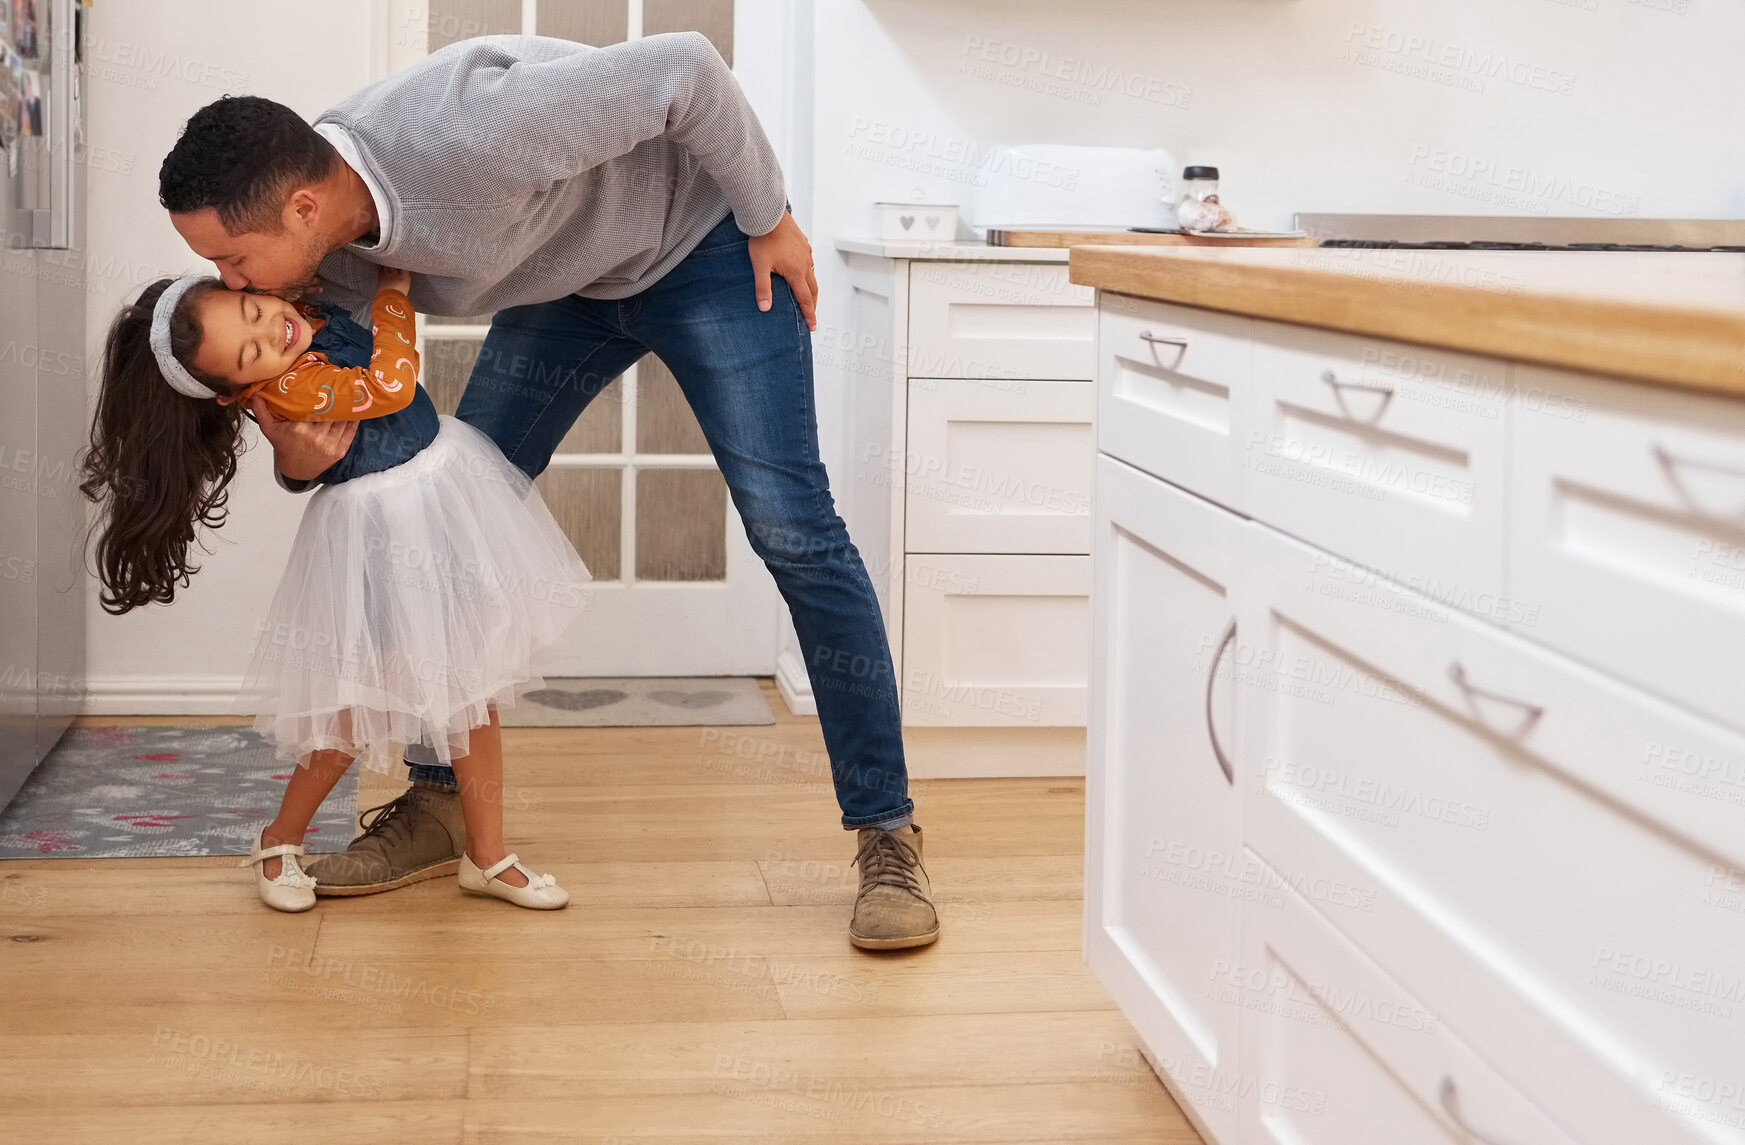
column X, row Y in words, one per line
column 159, row 463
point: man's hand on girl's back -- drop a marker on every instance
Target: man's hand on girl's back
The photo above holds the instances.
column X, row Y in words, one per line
column 303, row 450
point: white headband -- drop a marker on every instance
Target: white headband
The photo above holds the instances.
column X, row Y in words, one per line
column 174, row 372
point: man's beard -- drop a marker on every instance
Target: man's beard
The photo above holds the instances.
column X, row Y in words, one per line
column 307, row 282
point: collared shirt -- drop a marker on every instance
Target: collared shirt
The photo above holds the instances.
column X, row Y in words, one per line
column 347, row 148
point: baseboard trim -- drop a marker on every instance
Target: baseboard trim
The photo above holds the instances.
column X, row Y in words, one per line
column 794, row 685
column 993, row 753
column 161, row 695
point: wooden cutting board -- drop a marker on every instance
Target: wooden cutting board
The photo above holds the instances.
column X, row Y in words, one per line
column 1121, row 236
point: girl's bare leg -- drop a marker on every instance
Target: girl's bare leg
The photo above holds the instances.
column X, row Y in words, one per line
column 480, row 778
column 309, row 784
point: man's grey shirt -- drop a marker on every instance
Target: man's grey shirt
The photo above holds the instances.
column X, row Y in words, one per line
column 521, row 169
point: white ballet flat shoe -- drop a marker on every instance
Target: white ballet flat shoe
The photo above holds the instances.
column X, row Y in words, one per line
column 540, row 893
column 293, row 890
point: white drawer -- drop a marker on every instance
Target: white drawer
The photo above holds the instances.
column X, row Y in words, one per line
column 1388, row 454
column 1538, row 870
column 997, row 641
column 999, row 466
column 1319, row 1019
column 1628, row 532
column 1172, row 393
column 999, row 320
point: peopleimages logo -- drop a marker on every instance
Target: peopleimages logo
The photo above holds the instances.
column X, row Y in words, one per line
column 1069, row 77
column 1476, row 176
column 918, row 149
column 1368, row 43
column 252, row 1067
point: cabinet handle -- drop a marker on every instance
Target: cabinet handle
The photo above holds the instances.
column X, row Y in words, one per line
column 1671, row 463
column 1381, row 389
column 1337, row 383
column 1451, row 1106
column 1670, row 460
column 1159, row 340
column 1156, row 340
column 1531, row 711
column 1211, row 728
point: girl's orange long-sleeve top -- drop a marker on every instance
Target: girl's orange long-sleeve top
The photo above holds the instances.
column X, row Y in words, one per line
column 317, row 390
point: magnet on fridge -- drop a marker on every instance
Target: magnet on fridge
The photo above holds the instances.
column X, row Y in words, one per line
column 24, row 28
column 30, row 105
column 11, row 96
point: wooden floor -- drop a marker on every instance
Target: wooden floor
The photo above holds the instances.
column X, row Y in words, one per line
column 699, row 987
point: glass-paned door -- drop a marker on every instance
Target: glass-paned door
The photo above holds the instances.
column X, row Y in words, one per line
column 677, row 589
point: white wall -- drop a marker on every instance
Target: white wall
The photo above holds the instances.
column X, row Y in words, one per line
column 1516, row 107
column 1575, row 107
column 150, row 66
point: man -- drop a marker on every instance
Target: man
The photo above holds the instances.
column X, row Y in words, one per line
column 602, row 204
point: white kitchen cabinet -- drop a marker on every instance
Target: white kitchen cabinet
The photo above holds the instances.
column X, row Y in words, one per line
column 996, row 641
column 1485, row 835
column 1174, row 398
column 1004, row 319
column 1631, row 507
column 970, row 415
column 1335, row 1052
column 1388, row 455
column 1163, row 832
column 1000, row 466
column 1498, row 804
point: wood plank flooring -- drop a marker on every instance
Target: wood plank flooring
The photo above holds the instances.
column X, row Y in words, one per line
column 699, row 988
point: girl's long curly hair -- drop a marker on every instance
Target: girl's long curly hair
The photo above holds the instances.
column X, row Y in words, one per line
column 160, row 462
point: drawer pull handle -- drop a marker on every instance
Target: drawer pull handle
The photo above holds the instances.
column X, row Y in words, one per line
column 1450, row 1099
column 1211, row 728
column 1381, row 389
column 1334, row 380
column 1159, row 340
column 1530, row 711
column 1672, row 463
column 1156, row 340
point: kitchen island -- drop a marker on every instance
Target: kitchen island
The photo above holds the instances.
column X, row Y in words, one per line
column 1416, row 757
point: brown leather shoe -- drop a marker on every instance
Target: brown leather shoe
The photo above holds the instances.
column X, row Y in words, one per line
column 421, row 835
column 893, row 910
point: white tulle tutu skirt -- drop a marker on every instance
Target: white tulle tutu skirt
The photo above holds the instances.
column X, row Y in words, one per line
column 414, row 599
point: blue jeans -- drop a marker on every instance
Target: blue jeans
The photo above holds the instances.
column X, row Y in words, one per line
column 747, row 375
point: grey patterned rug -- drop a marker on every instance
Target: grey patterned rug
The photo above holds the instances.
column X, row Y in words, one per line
column 150, row 792
column 638, row 702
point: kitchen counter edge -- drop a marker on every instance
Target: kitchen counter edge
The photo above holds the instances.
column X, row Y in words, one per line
column 1637, row 340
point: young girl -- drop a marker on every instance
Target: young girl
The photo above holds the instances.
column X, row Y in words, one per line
column 426, row 575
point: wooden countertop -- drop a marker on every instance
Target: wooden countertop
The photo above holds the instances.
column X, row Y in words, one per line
column 1674, row 319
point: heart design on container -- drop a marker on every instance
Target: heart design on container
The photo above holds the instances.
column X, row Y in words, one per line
column 932, row 222
column 907, row 221
column 576, row 701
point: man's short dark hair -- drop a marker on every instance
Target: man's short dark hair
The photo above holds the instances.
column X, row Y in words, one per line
column 241, row 155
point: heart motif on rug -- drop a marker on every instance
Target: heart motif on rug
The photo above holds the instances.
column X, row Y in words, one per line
column 576, row 701
column 691, row 701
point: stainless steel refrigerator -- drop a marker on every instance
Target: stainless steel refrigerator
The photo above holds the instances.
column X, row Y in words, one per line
column 42, row 382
